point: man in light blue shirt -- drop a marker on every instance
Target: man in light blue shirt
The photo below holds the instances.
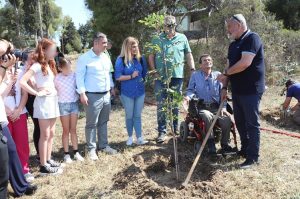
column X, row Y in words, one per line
column 204, row 85
column 94, row 84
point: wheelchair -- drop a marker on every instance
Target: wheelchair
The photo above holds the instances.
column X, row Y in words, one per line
column 192, row 129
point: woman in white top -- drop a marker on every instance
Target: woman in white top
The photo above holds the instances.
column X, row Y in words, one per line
column 46, row 102
column 65, row 85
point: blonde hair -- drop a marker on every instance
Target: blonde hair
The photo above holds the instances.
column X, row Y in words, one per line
column 126, row 50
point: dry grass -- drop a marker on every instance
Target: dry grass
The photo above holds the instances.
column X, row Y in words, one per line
column 148, row 171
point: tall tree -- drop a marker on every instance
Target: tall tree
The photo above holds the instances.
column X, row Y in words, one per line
column 86, row 33
column 286, row 10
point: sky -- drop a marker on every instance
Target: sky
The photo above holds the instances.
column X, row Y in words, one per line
column 75, row 9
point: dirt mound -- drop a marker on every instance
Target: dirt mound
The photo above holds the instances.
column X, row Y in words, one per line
column 152, row 175
column 272, row 115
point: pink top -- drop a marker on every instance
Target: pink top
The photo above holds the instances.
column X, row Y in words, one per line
column 66, row 88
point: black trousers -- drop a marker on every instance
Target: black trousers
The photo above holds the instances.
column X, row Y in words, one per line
column 16, row 176
column 36, row 128
column 3, row 165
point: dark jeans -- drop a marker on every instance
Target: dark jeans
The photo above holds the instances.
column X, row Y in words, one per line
column 246, row 115
column 36, row 128
column 16, row 176
column 161, row 97
column 3, row 166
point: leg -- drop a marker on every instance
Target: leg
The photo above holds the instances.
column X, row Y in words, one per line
column 251, row 107
column 128, row 104
column 50, row 141
column 16, row 176
column 36, row 134
column 176, row 84
column 44, row 138
column 296, row 116
column 225, row 125
column 3, row 167
column 160, row 93
column 137, row 115
column 208, row 117
column 240, row 121
column 92, row 111
column 73, row 130
column 102, row 122
column 65, row 122
column 20, row 135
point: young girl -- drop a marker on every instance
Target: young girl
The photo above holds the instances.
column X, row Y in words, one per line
column 65, row 85
column 46, row 101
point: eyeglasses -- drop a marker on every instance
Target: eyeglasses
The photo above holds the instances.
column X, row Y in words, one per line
column 237, row 19
column 170, row 25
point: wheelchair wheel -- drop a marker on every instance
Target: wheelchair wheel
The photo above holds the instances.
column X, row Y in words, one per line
column 183, row 131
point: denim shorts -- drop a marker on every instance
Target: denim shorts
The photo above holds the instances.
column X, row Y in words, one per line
column 68, row 108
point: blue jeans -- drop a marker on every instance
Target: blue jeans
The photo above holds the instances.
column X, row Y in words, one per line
column 161, row 97
column 246, row 115
column 133, row 110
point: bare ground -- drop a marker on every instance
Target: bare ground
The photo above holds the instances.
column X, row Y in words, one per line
column 148, row 171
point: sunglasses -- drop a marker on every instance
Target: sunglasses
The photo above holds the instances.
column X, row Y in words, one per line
column 170, row 25
column 235, row 18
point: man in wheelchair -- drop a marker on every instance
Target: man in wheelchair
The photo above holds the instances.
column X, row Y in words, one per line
column 203, row 85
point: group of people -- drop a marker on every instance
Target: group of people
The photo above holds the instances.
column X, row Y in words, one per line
column 45, row 93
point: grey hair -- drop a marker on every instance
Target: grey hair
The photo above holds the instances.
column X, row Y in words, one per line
column 240, row 19
column 169, row 19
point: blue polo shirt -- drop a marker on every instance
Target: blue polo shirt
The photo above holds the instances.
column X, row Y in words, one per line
column 134, row 87
column 252, row 80
column 294, row 91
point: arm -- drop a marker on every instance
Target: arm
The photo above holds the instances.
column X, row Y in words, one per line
column 286, row 102
column 15, row 115
column 296, row 107
column 190, row 61
column 119, row 71
column 24, row 83
column 190, row 92
column 145, row 67
column 241, row 65
column 151, row 60
column 80, row 75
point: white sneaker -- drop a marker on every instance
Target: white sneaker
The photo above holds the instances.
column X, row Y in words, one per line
column 93, row 155
column 67, row 159
column 109, row 150
column 129, row 141
column 29, row 177
column 78, row 157
column 141, row 141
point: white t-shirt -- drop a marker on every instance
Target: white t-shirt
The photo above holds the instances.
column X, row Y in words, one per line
column 66, row 88
column 43, row 81
column 13, row 101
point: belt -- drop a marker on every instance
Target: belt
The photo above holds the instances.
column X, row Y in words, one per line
column 96, row 92
column 209, row 105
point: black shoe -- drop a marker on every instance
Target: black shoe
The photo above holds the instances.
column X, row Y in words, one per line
column 53, row 163
column 248, row 164
column 48, row 170
column 242, row 154
column 228, row 150
column 30, row 190
column 161, row 138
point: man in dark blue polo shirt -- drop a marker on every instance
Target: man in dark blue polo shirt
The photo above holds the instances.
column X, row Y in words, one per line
column 246, row 73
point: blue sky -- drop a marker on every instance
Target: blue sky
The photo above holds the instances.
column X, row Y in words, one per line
column 74, row 8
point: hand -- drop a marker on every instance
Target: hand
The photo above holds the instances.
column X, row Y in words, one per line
column 135, row 74
column 11, row 60
column 12, row 77
column 222, row 78
column 43, row 92
column 15, row 115
column 112, row 92
column 84, row 99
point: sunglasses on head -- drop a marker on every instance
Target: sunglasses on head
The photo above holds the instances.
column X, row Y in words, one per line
column 235, row 18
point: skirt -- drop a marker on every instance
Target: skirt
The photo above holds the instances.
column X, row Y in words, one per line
column 46, row 107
